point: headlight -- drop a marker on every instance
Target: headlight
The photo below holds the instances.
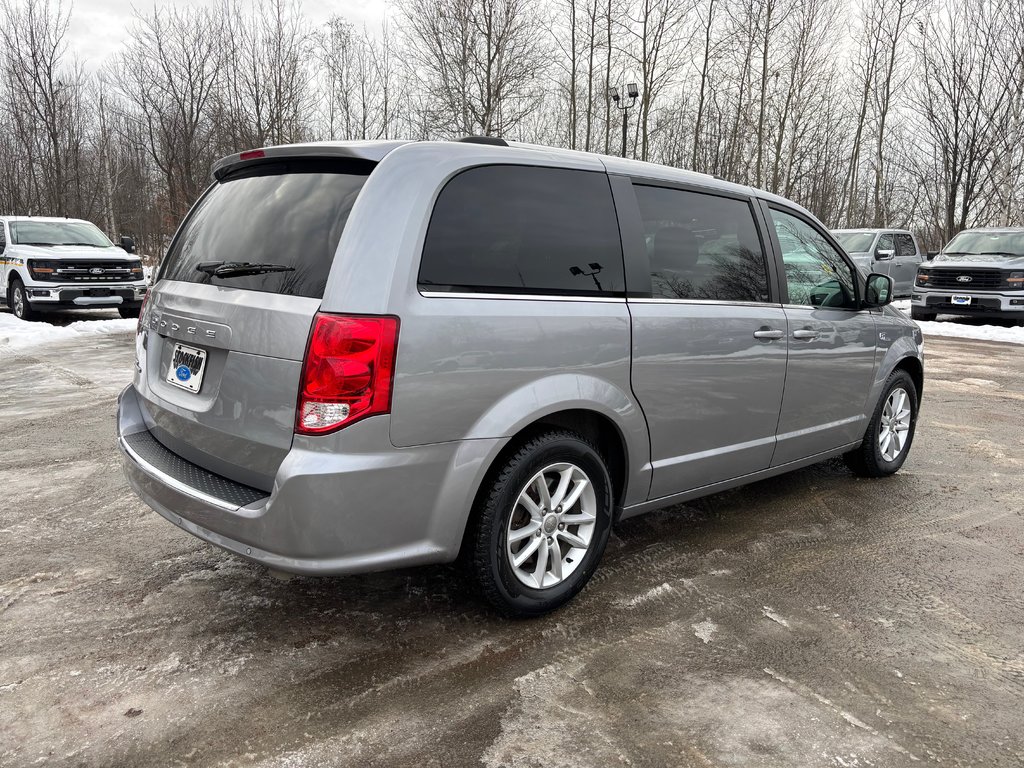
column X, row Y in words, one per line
column 42, row 270
column 1015, row 279
column 923, row 278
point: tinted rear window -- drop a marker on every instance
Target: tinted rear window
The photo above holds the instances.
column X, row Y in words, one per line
column 520, row 229
column 289, row 213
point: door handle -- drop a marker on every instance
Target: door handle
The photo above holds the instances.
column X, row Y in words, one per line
column 806, row 334
column 768, row 334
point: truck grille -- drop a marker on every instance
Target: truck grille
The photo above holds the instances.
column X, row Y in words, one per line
column 67, row 271
column 980, row 279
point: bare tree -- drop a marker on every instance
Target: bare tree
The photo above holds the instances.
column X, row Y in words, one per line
column 168, row 76
column 478, row 58
column 964, row 115
column 266, row 95
column 46, row 105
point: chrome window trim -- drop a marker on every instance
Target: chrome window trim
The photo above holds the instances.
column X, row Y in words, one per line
column 520, row 297
column 813, row 307
column 710, row 302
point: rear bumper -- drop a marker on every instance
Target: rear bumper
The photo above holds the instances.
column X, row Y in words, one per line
column 331, row 511
column 990, row 304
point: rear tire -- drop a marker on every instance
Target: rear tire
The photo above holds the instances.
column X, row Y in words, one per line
column 920, row 314
column 890, row 432
column 17, row 300
column 529, row 553
column 127, row 313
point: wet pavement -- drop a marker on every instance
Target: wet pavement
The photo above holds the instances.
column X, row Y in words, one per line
column 815, row 619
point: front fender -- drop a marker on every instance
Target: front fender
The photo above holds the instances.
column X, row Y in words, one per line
column 895, row 344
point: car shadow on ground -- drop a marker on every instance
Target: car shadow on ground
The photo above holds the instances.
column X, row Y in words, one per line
column 223, row 585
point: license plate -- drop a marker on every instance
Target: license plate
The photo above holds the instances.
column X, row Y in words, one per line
column 188, row 364
column 962, row 300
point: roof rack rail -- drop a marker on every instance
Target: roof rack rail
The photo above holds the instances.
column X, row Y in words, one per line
column 494, row 141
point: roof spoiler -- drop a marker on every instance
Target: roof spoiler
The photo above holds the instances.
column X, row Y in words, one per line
column 372, row 151
column 494, row 141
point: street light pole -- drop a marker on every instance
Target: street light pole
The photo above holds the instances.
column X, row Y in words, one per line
column 632, row 92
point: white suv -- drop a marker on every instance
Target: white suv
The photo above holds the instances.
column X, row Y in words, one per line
column 56, row 263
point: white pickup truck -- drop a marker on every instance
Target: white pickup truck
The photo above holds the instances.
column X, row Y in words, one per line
column 55, row 263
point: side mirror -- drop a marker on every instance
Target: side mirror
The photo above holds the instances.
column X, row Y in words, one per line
column 878, row 290
column 884, row 254
column 931, row 255
column 128, row 244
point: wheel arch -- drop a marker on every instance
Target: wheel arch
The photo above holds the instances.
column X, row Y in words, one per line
column 596, row 427
column 590, row 424
column 915, row 368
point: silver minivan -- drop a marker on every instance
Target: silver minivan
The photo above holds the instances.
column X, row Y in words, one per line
column 369, row 355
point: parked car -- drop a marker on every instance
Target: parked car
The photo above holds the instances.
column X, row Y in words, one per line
column 980, row 273
column 361, row 356
column 54, row 263
column 893, row 252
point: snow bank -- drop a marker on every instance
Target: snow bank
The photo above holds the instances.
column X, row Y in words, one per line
column 961, row 330
column 19, row 334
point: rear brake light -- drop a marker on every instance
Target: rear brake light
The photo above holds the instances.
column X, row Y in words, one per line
column 252, row 154
column 347, row 373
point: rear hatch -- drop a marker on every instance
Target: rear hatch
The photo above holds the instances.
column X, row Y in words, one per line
column 223, row 343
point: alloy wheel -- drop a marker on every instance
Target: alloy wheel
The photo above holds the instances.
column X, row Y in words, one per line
column 551, row 526
column 18, row 302
column 895, row 424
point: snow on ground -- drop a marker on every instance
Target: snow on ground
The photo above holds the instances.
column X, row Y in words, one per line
column 960, row 329
column 19, row 334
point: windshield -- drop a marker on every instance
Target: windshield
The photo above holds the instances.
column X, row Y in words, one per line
column 58, row 233
column 984, row 246
column 855, row 242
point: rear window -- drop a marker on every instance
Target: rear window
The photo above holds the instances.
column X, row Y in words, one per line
column 521, row 229
column 285, row 213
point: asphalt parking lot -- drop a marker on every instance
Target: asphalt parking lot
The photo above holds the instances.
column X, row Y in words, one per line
column 811, row 620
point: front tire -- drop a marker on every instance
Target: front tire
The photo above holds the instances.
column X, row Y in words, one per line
column 891, row 430
column 17, row 300
column 541, row 524
column 920, row 314
column 128, row 313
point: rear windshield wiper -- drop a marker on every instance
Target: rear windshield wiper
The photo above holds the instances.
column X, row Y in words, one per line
column 239, row 268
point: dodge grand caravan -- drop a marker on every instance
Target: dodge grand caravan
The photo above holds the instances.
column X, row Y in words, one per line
column 360, row 356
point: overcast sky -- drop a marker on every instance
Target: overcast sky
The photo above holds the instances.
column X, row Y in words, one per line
column 98, row 27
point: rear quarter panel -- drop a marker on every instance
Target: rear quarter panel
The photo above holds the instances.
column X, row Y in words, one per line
column 479, row 367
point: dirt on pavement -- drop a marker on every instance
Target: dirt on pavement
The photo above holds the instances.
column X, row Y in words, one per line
column 816, row 619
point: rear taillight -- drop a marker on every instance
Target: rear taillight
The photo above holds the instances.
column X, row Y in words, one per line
column 348, row 371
